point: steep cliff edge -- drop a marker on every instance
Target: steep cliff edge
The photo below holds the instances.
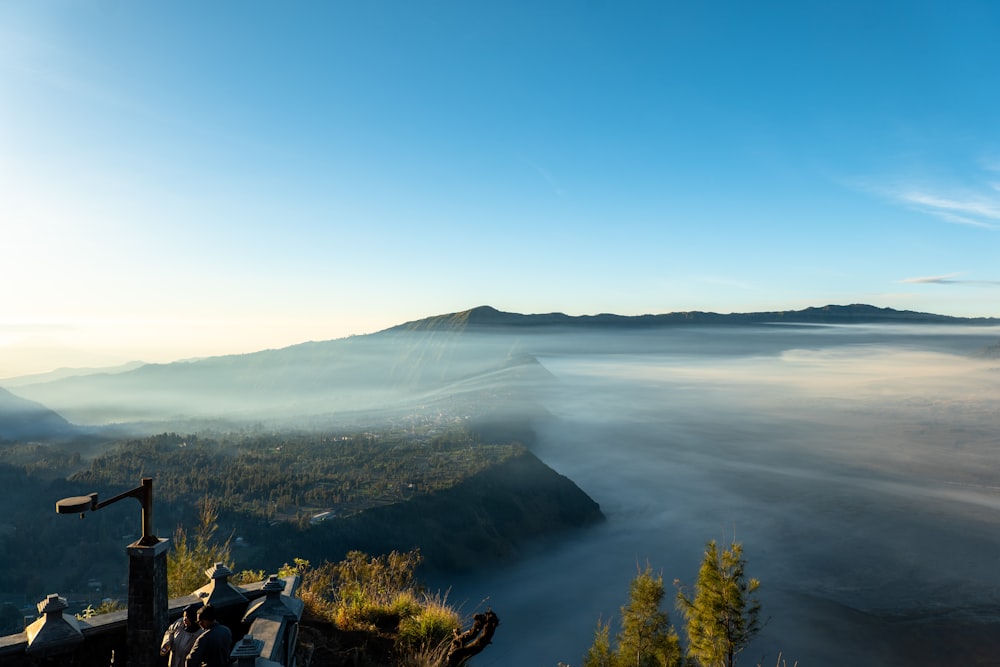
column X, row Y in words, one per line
column 488, row 517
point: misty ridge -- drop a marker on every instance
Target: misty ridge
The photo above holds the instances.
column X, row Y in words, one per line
column 448, row 356
column 854, row 451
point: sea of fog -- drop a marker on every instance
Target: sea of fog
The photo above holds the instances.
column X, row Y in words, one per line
column 857, row 465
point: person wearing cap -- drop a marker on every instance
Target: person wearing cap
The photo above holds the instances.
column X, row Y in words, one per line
column 180, row 636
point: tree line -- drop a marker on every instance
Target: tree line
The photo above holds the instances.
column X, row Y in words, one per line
column 277, row 475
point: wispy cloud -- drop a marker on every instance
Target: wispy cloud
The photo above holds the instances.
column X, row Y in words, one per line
column 974, row 203
column 949, row 279
column 974, row 209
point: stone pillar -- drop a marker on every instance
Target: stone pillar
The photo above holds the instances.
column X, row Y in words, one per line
column 220, row 593
column 147, row 602
column 272, row 604
column 246, row 651
column 53, row 632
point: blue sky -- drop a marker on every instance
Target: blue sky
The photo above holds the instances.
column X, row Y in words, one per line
column 183, row 179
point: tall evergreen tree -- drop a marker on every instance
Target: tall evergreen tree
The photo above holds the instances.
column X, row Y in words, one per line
column 646, row 638
column 722, row 616
column 600, row 654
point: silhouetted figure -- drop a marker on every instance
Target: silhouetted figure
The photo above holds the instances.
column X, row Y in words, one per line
column 212, row 648
column 179, row 637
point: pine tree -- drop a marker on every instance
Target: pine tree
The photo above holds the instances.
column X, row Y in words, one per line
column 599, row 654
column 646, row 638
column 722, row 616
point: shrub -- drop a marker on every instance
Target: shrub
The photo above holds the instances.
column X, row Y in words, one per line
column 192, row 555
column 434, row 622
column 106, row 607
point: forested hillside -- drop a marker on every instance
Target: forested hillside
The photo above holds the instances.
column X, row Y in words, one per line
column 282, row 477
column 435, row 485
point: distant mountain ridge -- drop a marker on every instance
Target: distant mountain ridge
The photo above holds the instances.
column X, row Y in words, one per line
column 63, row 373
column 487, row 317
column 470, row 362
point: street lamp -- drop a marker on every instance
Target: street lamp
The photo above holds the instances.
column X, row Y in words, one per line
column 147, row 574
column 143, row 493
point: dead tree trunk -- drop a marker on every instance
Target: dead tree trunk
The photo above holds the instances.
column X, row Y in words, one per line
column 474, row 640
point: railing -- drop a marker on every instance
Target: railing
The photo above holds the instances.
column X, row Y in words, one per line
column 263, row 618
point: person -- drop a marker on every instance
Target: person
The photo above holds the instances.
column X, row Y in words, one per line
column 180, row 636
column 212, row 647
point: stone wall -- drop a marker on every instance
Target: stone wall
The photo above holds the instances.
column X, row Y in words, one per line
column 263, row 618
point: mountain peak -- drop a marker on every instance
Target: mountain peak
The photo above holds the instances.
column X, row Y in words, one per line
column 474, row 318
column 484, row 312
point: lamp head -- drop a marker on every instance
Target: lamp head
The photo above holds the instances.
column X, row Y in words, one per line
column 76, row 504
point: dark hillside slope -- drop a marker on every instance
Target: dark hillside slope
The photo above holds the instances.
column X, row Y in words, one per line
column 21, row 419
column 489, row 517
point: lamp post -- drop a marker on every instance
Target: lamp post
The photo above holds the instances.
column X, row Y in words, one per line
column 147, row 575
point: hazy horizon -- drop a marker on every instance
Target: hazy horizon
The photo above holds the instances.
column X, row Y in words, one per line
column 14, row 367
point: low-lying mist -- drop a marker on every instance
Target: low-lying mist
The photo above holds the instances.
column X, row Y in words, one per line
column 858, row 466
